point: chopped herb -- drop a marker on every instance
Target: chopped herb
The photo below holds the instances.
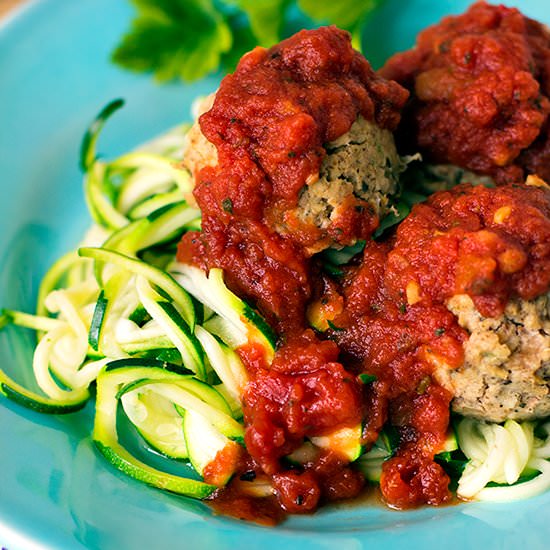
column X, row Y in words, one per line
column 423, row 385
column 439, row 331
column 390, row 437
column 299, row 500
column 341, row 256
column 332, row 270
column 444, row 47
column 367, row 378
column 403, row 308
column 227, row 205
column 333, row 326
column 453, row 462
column 291, row 154
column 400, row 212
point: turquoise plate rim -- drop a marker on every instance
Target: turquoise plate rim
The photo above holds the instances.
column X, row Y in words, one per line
column 56, row 491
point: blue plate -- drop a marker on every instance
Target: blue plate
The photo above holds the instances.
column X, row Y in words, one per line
column 55, row 491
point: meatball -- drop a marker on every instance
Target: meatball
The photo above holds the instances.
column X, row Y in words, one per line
column 506, row 370
column 198, row 151
column 359, row 174
column 483, row 254
column 360, row 170
column 480, row 87
column 304, row 159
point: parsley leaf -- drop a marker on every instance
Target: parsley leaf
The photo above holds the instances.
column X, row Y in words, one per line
column 400, row 211
column 367, row 378
column 346, row 14
column 342, row 256
column 188, row 39
column 174, row 39
column 243, row 41
column 266, row 18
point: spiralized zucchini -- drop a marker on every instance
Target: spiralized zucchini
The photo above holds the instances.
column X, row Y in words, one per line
column 500, row 455
column 158, row 339
column 109, row 314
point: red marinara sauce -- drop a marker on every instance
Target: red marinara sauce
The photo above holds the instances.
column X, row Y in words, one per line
column 305, row 392
column 479, row 87
column 489, row 243
column 269, row 122
column 385, row 336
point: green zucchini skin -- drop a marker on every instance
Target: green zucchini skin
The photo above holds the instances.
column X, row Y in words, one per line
column 31, row 400
column 137, row 204
column 237, row 322
column 112, row 383
column 162, row 279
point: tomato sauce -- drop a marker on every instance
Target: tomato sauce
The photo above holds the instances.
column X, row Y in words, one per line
column 269, row 122
column 488, row 243
column 480, row 88
column 305, row 392
column 387, row 312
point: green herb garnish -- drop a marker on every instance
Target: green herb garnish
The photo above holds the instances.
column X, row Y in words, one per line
column 188, row 39
column 227, row 205
column 333, row 326
column 367, row 378
column 175, row 39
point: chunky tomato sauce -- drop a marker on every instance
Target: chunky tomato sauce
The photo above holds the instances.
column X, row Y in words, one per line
column 386, row 316
column 480, row 87
column 488, row 243
column 305, row 392
column 269, row 122
column 389, row 338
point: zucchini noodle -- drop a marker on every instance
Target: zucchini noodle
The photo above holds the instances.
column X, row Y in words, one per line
column 111, row 315
column 500, row 455
column 159, row 338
